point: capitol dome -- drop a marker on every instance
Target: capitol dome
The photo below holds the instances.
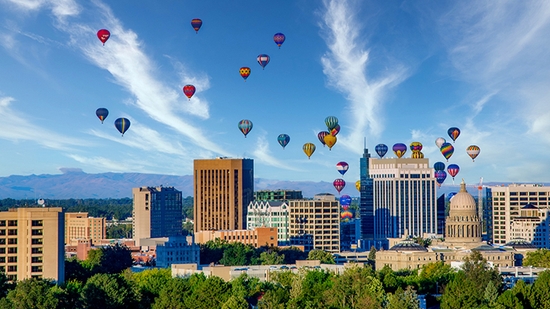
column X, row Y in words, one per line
column 463, row 225
column 463, row 201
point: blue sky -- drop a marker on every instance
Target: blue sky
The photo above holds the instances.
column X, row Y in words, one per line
column 392, row 72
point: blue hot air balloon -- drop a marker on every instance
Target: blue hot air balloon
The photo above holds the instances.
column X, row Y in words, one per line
column 381, row 150
column 439, row 166
column 345, row 200
column 279, row 39
column 263, row 60
column 122, row 125
column 283, row 140
column 102, row 113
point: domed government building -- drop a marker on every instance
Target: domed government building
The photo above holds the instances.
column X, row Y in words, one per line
column 462, row 236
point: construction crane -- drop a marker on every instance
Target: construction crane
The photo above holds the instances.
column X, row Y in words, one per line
column 480, row 200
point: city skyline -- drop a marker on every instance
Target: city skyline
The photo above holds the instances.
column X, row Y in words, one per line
column 391, row 73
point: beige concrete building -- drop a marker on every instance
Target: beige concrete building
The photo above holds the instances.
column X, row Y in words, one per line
column 157, row 212
column 80, row 227
column 533, row 226
column 315, row 224
column 223, row 188
column 32, row 243
column 260, row 236
column 269, row 214
column 507, row 202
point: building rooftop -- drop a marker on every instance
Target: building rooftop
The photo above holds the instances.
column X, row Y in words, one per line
column 408, row 245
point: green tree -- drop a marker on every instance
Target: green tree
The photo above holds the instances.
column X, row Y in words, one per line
column 275, row 297
column 357, row 288
column 109, row 259
column 212, row 251
column 109, row 291
column 292, row 254
column 403, row 299
column 539, row 258
column 119, row 231
column 235, row 302
column 509, row 300
column 76, row 270
column 237, row 254
column 173, row 295
column 151, row 282
column 271, row 258
column 311, row 291
column 540, row 291
column 434, row 276
column 32, row 294
column 208, row 294
column 321, row 255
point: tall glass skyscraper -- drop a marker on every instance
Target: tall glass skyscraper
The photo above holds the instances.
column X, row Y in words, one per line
column 366, row 202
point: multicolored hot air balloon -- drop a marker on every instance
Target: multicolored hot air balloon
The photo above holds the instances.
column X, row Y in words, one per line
column 103, row 35
column 102, row 113
column 245, row 72
column 263, row 60
column 381, row 150
column 453, row 132
column 439, row 142
column 416, row 146
column 440, row 177
column 346, row 215
column 122, row 125
column 321, row 136
column 358, row 185
column 309, row 149
column 283, row 140
column 473, row 151
column 245, row 126
column 339, row 184
column 331, row 122
column 447, row 150
column 345, row 200
column 279, row 39
column 196, row 23
column 439, row 166
column 399, row 149
column 342, row 167
column 330, row 140
column 189, row 91
column 453, row 170
column 335, row 130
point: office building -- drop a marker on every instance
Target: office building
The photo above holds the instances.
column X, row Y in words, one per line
column 532, row 225
column 223, row 188
column 157, row 212
column 173, row 250
column 507, row 202
column 258, row 237
column 315, row 224
column 79, row 227
column 269, row 214
column 278, row 195
column 32, row 243
column 366, row 202
column 404, row 193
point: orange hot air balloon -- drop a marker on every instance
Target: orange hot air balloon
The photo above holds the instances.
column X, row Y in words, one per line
column 309, row 149
column 245, row 72
column 330, row 140
column 358, row 185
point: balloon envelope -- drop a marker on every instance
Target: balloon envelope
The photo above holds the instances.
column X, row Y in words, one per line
column 473, row 151
column 245, row 72
column 279, row 39
column 453, row 132
column 439, row 166
column 245, row 126
column 335, row 130
column 358, row 185
column 189, row 91
column 309, row 149
column 331, row 122
column 102, row 113
column 440, row 177
column 283, row 140
column 196, row 23
column 330, row 140
column 345, row 200
column 439, row 142
column 263, row 60
column 453, row 170
column 399, row 149
column 342, row 167
column 321, row 136
column 346, row 215
column 381, row 150
column 447, row 150
column 339, row 184
column 416, row 146
column 103, row 35
column 122, row 125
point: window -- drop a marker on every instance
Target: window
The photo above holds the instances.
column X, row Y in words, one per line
column 37, row 223
column 36, row 250
column 36, row 269
column 36, row 259
column 12, row 241
column 12, row 232
column 12, row 268
column 12, row 222
column 36, row 241
column 12, row 259
column 36, row 232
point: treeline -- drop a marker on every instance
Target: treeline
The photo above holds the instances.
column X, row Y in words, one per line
column 119, row 209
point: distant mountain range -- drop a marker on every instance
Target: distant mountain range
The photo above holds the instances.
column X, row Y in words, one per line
column 74, row 183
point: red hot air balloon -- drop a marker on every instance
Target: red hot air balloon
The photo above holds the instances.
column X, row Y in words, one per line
column 453, row 170
column 245, row 72
column 342, row 167
column 335, row 130
column 189, row 91
column 196, row 23
column 339, row 184
column 103, row 35
column 279, row 39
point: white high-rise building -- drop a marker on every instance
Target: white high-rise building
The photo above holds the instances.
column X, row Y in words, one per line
column 405, row 197
column 269, row 214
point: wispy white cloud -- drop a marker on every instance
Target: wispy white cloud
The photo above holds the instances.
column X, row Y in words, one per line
column 263, row 155
column 103, row 163
column 347, row 54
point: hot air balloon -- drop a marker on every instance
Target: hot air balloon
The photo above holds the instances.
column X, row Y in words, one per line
column 103, row 35
column 346, row 215
column 381, row 150
column 245, row 126
column 473, row 151
column 453, row 133
column 189, row 91
column 331, row 122
column 263, row 60
column 399, row 149
column 339, row 184
column 447, row 150
column 416, row 146
column 321, row 136
column 309, row 149
column 245, row 72
column 345, row 200
column 283, row 140
column 440, row 177
column 279, row 39
column 122, row 125
column 453, row 170
column 196, row 24
column 358, row 185
column 342, row 167
column 330, row 140
column 335, row 130
column 439, row 166
column 439, row 141
column 102, row 113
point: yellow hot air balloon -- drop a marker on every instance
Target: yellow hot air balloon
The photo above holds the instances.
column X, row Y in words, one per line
column 417, row 155
column 309, row 149
column 330, row 140
column 358, row 185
